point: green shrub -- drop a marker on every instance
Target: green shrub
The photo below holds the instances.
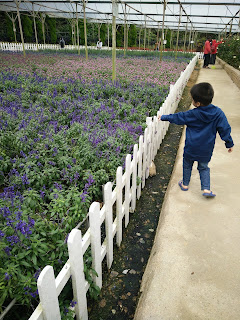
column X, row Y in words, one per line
column 229, row 51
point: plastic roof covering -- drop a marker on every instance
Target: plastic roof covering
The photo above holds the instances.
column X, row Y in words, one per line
column 204, row 15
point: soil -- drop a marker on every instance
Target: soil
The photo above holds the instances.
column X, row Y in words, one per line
column 121, row 284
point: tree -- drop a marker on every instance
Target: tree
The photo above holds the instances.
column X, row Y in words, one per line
column 120, row 36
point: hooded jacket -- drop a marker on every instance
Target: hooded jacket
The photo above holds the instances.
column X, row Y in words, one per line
column 207, row 47
column 202, row 123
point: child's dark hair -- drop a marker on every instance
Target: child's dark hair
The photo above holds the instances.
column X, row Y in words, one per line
column 203, row 93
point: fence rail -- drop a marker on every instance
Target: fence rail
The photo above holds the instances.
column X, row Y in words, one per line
column 15, row 47
column 121, row 200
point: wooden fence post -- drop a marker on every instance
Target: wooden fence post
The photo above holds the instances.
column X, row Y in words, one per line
column 144, row 157
column 107, row 196
column 48, row 294
column 77, row 272
column 95, row 235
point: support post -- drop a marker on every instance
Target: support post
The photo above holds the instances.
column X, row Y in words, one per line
column 189, row 41
column 139, row 38
column 43, row 17
column 148, row 37
column 77, row 29
column 145, row 30
column 171, row 38
column 164, row 9
column 185, row 38
column 114, row 8
column 230, row 29
column 125, row 29
column 35, row 27
column 179, row 21
column 20, row 25
column 108, row 36
column 85, row 29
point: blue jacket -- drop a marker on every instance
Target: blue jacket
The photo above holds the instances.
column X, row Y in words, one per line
column 202, row 123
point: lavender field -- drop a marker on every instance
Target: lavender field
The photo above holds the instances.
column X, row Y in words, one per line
column 65, row 128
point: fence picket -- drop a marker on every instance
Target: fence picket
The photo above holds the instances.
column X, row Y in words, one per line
column 77, row 272
column 119, row 206
column 95, row 235
column 48, row 294
column 144, row 157
column 107, row 196
column 134, row 178
column 140, row 157
column 127, row 188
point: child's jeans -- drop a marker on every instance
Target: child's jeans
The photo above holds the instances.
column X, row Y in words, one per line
column 204, row 173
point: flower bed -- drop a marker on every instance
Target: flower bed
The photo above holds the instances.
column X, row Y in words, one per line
column 64, row 130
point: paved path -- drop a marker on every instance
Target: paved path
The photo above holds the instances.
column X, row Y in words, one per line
column 194, row 269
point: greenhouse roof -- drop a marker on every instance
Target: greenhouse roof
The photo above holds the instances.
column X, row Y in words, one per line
column 201, row 16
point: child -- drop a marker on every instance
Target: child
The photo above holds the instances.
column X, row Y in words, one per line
column 203, row 123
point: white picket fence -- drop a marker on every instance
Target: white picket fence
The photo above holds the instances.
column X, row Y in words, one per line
column 136, row 168
column 15, row 47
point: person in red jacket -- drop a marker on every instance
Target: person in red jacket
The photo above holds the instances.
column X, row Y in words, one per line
column 207, row 53
column 214, row 47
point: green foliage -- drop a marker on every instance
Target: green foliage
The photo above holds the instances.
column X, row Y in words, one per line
column 27, row 25
column 51, row 23
column 229, row 51
column 103, row 33
column 39, row 31
column 120, row 36
column 10, row 32
column 132, row 36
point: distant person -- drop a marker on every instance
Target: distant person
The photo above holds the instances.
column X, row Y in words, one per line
column 207, row 52
column 62, row 43
column 99, row 44
column 214, row 47
column 203, row 122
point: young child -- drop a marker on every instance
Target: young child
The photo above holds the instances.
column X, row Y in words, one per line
column 203, row 123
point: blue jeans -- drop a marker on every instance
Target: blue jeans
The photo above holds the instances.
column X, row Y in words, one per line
column 204, row 173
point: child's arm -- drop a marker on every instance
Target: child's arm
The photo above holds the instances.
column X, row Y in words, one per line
column 178, row 118
column 224, row 130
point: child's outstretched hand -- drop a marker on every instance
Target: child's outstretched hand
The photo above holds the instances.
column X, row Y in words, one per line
column 159, row 118
column 230, row 149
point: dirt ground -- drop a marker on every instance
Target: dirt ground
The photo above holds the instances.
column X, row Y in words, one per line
column 121, row 284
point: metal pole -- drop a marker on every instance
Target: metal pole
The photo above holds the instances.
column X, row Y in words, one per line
column 158, row 32
column 125, row 30
column 164, row 9
column 189, row 40
column 171, row 36
column 148, row 37
column 230, row 29
column 179, row 21
column 108, row 36
column 139, row 38
column 43, row 17
column 77, row 29
column 85, row 28
column 20, row 25
column 35, row 27
column 185, row 38
column 145, row 34
column 114, row 41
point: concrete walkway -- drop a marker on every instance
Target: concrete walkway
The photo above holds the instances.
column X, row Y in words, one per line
column 194, row 269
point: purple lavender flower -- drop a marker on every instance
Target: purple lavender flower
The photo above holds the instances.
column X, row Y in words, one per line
column 25, row 179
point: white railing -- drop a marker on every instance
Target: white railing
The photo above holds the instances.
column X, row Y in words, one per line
column 136, row 169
